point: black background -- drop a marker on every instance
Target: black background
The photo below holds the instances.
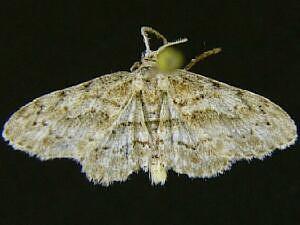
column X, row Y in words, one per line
column 50, row 45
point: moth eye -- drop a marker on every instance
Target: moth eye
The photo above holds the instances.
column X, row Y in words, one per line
column 169, row 59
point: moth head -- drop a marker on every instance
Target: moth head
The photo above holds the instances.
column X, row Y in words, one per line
column 165, row 58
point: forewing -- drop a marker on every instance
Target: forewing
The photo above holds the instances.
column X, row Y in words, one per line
column 176, row 139
column 227, row 124
column 125, row 147
column 69, row 122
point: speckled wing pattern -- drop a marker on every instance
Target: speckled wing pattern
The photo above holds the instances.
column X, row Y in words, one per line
column 77, row 123
column 227, row 124
column 120, row 123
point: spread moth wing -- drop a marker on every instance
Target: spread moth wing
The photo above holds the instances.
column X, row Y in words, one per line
column 77, row 123
column 124, row 149
column 175, row 137
column 226, row 124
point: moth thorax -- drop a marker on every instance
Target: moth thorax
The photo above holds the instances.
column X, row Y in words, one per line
column 138, row 84
column 163, row 83
column 158, row 173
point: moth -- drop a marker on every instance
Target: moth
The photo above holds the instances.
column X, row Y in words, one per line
column 152, row 120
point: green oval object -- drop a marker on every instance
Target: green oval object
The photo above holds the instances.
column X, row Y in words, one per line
column 169, row 59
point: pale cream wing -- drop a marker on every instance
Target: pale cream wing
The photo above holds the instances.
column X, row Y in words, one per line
column 70, row 122
column 176, row 139
column 226, row 124
column 125, row 148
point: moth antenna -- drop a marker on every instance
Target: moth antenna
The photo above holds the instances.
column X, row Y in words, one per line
column 145, row 31
column 179, row 41
column 201, row 57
